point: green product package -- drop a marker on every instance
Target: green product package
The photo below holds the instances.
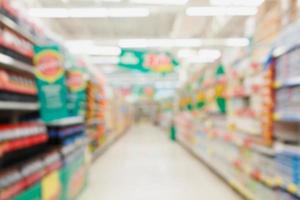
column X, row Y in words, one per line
column 73, row 178
column 50, row 79
column 32, row 193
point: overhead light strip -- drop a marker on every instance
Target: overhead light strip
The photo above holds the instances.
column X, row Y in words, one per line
column 236, row 2
column 89, row 12
column 189, row 42
column 160, row 2
column 221, row 11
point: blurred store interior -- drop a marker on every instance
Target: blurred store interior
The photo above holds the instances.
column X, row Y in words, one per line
column 149, row 99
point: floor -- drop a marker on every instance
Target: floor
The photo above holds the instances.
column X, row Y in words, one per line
column 145, row 165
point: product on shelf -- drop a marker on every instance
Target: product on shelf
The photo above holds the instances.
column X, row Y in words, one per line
column 16, row 82
column 22, row 135
column 15, row 46
column 95, row 116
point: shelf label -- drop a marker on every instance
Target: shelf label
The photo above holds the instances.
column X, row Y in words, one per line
column 292, row 188
column 276, row 116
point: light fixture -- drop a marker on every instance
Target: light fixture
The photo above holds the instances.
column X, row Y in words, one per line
column 236, row 42
column 163, row 43
column 184, row 53
column 89, row 48
column 203, row 55
column 180, row 42
column 133, row 43
column 128, row 12
column 88, row 12
column 221, row 11
column 161, row 2
column 49, row 12
column 236, row 2
column 78, row 42
column 104, row 50
column 199, row 59
column 212, row 54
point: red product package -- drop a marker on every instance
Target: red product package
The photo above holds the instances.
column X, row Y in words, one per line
column 11, row 183
column 25, row 142
column 9, row 192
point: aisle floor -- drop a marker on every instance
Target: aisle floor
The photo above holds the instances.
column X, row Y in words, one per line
column 145, row 165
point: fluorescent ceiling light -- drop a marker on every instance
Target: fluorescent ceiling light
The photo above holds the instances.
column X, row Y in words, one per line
column 203, row 55
column 79, row 42
column 133, row 43
column 199, row 59
column 49, row 12
column 104, row 60
column 88, row 49
column 129, row 12
column 184, row 53
column 229, row 42
column 189, row 42
column 88, row 12
column 236, row 42
column 236, row 2
column 161, row 2
column 221, row 11
column 151, row 43
column 104, row 50
column 112, row 1
column 212, row 54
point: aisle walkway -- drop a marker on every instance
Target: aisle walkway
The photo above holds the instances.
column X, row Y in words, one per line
column 145, row 165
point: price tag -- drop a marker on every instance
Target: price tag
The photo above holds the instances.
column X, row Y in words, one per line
column 292, row 188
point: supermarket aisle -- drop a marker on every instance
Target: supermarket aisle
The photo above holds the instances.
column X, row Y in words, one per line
column 145, row 165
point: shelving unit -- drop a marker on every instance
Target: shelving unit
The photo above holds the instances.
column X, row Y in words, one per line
column 255, row 143
column 34, row 154
column 16, row 28
column 19, row 106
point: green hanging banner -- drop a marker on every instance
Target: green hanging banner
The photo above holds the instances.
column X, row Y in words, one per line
column 220, row 89
column 50, row 78
column 77, row 94
column 145, row 61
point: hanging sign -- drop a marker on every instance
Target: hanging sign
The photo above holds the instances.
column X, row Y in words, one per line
column 220, row 89
column 147, row 61
column 77, row 91
column 50, row 78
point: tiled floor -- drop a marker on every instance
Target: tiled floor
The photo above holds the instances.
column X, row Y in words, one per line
column 145, row 165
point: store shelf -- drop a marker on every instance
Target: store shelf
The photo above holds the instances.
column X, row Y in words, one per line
column 281, row 50
column 236, row 185
column 8, row 105
column 278, row 116
column 67, row 149
column 16, row 28
column 95, row 122
column 263, row 150
column 241, row 142
column 287, row 83
column 67, row 121
column 13, row 64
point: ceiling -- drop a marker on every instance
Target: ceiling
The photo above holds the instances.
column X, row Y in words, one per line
column 165, row 21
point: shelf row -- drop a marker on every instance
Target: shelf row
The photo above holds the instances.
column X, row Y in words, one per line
column 273, row 183
column 16, row 28
column 221, row 173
